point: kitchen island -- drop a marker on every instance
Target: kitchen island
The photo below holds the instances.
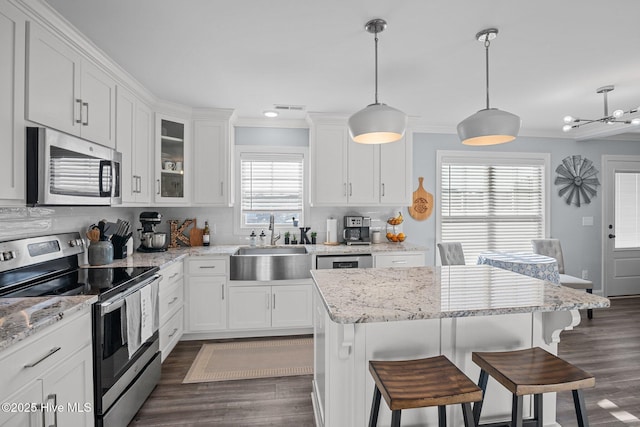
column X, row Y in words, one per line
column 404, row 313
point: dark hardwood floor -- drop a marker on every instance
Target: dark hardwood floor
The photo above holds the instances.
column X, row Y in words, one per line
column 608, row 346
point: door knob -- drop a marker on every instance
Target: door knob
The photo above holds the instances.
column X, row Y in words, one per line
column 612, row 236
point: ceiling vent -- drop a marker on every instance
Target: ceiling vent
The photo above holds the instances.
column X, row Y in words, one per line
column 283, row 107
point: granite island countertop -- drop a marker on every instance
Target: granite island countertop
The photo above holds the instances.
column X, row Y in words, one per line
column 23, row 317
column 411, row 293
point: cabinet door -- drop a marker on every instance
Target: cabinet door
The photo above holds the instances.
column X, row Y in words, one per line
column 291, row 306
column 206, row 309
column 98, row 92
column 53, row 82
column 71, row 385
column 210, row 163
column 395, row 173
column 143, row 151
column 125, row 125
column 172, row 164
column 363, row 174
column 30, row 394
column 249, row 307
column 12, row 47
column 329, row 160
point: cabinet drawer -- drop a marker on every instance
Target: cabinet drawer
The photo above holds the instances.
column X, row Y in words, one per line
column 207, row 266
column 67, row 335
column 399, row 260
column 170, row 333
column 171, row 299
column 172, row 273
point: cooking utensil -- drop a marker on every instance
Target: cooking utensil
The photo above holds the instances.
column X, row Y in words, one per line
column 422, row 203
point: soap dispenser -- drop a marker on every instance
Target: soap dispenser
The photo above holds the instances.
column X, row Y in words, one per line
column 263, row 238
column 252, row 239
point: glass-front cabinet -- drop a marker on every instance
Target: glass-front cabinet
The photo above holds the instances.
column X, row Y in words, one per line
column 172, row 160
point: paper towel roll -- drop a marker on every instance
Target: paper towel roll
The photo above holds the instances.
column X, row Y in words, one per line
column 332, row 230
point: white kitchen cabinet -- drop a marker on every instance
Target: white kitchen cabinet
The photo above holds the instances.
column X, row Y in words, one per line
column 399, row 259
column 212, row 165
column 171, row 301
column 266, row 306
column 51, row 367
column 249, row 307
column 205, row 293
column 12, row 134
column 172, row 160
column 133, row 139
column 344, row 172
column 66, row 91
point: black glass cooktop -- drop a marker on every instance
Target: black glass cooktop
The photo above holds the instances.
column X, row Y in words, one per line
column 85, row 281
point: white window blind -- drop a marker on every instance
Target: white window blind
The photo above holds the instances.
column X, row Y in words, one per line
column 492, row 204
column 627, row 210
column 271, row 184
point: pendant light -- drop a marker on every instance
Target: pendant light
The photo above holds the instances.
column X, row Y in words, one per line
column 377, row 123
column 489, row 126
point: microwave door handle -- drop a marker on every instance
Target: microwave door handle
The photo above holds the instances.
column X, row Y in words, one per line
column 105, row 192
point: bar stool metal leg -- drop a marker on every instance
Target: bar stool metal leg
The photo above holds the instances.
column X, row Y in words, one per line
column 477, row 406
column 516, row 411
column 467, row 414
column 581, row 409
column 395, row 418
column 375, row 408
column 442, row 416
column 538, row 410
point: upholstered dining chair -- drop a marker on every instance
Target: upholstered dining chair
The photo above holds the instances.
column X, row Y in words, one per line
column 552, row 248
column 451, row 253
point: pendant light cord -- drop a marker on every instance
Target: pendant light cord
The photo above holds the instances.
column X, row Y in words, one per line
column 376, row 67
column 486, row 47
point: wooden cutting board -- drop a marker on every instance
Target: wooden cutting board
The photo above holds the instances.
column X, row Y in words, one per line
column 422, row 203
column 195, row 236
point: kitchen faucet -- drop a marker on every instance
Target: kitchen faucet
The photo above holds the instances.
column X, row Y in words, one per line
column 272, row 228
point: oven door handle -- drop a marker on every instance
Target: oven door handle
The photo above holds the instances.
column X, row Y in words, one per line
column 118, row 301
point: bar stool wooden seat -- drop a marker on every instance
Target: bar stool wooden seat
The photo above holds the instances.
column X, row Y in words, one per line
column 532, row 371
column 419, row 383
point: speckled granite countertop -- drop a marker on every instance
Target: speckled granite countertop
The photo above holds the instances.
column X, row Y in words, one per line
column 162, row 259
column 23, row 317
column 392, row 294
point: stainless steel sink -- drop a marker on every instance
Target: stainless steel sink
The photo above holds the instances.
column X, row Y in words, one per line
column 270, row 263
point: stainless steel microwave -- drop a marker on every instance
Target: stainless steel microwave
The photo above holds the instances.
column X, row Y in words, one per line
column 67, row 170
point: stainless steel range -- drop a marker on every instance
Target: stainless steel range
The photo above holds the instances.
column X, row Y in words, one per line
column 126, row 360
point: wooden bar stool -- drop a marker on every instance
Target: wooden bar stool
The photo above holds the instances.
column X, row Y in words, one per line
column 532, row 371
column 408, row 384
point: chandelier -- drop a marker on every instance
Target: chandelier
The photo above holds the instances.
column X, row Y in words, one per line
column 616, row 117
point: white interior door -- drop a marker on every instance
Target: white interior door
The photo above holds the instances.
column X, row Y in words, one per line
column 621, row 239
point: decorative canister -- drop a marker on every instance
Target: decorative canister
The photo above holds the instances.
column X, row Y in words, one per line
column 100, row 252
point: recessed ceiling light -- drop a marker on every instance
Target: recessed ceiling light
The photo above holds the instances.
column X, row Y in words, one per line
column 270, row 113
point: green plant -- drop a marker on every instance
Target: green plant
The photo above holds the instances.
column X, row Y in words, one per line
column 287, row 234
column 314, row 234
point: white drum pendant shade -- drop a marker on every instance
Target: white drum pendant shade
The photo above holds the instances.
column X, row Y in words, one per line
column 489, row 127
column 377, row 124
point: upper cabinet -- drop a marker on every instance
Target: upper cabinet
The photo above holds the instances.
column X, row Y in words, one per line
column 12, row 135
column 134, row 127
column 212, row 166
column 344, row 172
column 172, row 160
column 66, row 91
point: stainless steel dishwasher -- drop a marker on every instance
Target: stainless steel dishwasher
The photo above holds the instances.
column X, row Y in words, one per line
column 324, row 262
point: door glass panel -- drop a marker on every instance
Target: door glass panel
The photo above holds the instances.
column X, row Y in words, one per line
column 627, row 210
column 172, row 159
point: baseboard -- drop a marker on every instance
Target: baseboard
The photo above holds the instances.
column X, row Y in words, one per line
column 192, row 336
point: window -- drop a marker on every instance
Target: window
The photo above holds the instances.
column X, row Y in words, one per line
column 627, row 210
column 271, row 183
column 492, row 201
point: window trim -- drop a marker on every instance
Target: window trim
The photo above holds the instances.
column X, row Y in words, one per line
column 490, row 157
column 268, row 150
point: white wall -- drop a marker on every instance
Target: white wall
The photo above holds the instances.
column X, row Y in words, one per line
column 581, row 244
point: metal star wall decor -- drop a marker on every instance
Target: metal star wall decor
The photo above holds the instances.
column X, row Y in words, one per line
column 578, row 180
